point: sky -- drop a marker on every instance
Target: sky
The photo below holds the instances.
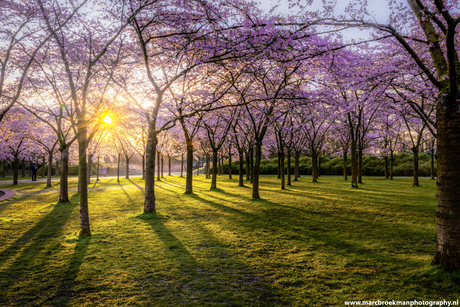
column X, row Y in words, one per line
column 379, row 8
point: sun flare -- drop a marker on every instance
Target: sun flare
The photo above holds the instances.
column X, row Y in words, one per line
column 108, row 119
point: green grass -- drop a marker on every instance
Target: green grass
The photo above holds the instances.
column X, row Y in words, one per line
column 314, row 244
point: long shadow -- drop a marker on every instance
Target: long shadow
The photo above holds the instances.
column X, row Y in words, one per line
column 34, row 250
column 216, row 275
column 138, row 186
column 50, row 226
column 65, row 288
column 342, row 246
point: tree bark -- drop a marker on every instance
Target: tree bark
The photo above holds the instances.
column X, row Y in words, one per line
column 189, row 171
column 387, row 175
column 282, row 170
column 448, row 182
column 256, row 171
column 182, row 166
column 57, row 168
column 127, row 166
column 214, row 170
column 360, row 165
column 50, row 169
column 118, row 167
column 85, row 230
column 229, row 163
column 288, row 167
column 345, row 163
column 314, row 166
column 150, row 152
column 208, row 167
column 169, row 165
column 15, row 169
column 64, row 177
column 97, row 169
column 241, row 169
column 162, row 165
column 158, row 166
column 391, row 164
column 415, row 170
column 354, row 166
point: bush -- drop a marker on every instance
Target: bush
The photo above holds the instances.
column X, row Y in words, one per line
column 372, row 165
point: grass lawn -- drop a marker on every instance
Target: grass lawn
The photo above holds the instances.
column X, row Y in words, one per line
column 314, row 244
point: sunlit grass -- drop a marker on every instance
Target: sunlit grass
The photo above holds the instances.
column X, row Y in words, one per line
column 314, row 244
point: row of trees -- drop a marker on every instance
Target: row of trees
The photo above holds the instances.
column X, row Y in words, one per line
column 222, row 72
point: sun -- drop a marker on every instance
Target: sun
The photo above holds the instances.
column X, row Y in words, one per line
column 107, row 119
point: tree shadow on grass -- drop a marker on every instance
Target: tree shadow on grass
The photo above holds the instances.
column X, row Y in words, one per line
column 65, row 290
column 213, row 276
column 32, row 252
column 138, row 186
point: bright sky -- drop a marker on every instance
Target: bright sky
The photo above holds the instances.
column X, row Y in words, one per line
column 379, row 8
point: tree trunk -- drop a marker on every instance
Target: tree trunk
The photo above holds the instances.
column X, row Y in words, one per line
column 64, row 177
column 391, row 164
column 57, row 168
column 182, row 166
column 229, row 164
column 214, row 170
column 158, row 166
column 296, row 165
column 162, row 166
column 118, row 167
column 15, row 169
column 448, row 182
column 360, row 165
column 3, row 168
column 150, row 153
column 314, row 166
column 85, row 230
column 97, row 169
column 282, row 170
column 189, row 174
column 387, row 175
column 415, row 152
column 241, row 169
column 354, row 166
column 345, row 163
column 169, row 165
column 256, row 171
column 208, row 167
column 289, row 167
column 50, row 169
column 127, row 167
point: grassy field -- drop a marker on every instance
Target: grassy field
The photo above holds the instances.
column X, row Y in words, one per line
column 314, row 244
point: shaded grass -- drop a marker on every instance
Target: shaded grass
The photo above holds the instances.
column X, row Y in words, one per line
column 314, row 244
